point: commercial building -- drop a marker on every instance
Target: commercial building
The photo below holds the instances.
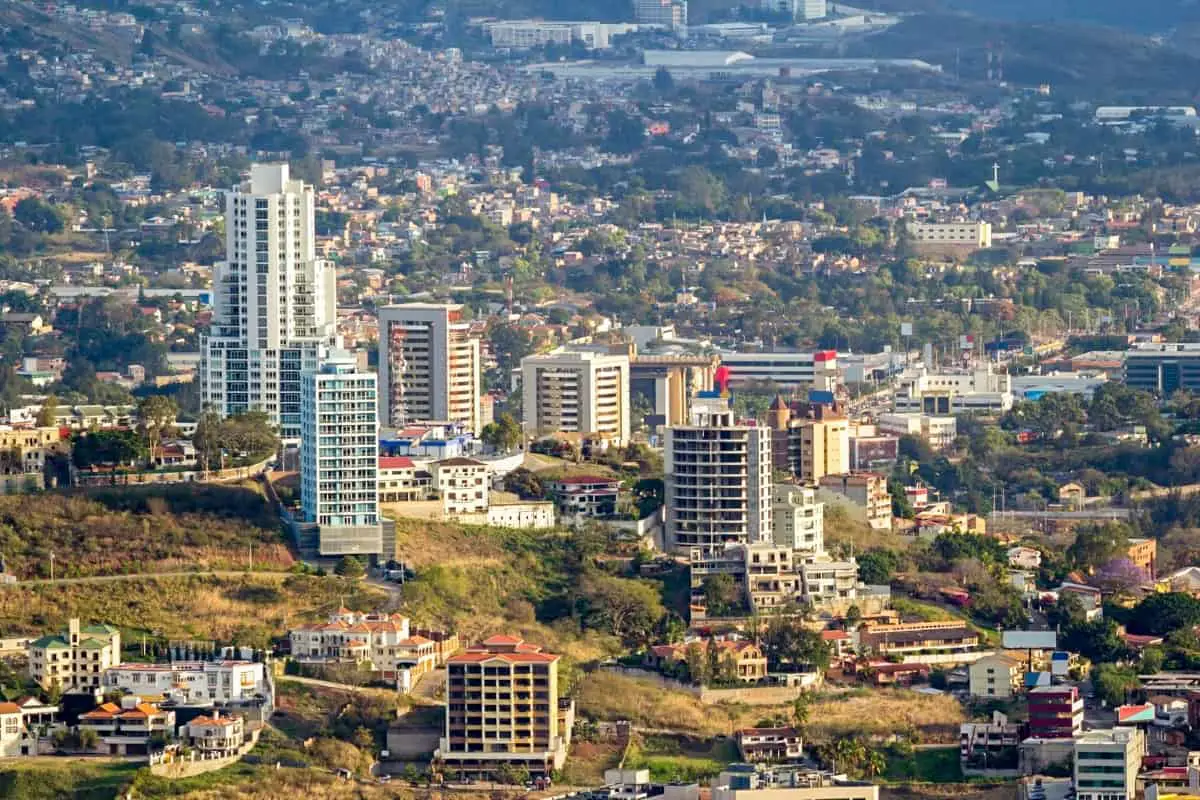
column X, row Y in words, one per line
column 669, row 382
column 797, row 518
column 863, row 493
column 796, row 9
column 996, row 676
column 672, row 14
column 273, row 301
column 718, row 480
column 814, row 370
column 339, row 456
column 949, row 238
column 429, row 366
column 76, row 658
column 523, row 34
column 581, row 392
column 191, row 681
column 503, row 709
column 1055, row 712
column 982, row 390
column 753, row 782
column 1107, row 763
column 1163, row 368
column 938, row 431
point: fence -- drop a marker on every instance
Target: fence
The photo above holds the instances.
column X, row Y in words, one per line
column 169, row 476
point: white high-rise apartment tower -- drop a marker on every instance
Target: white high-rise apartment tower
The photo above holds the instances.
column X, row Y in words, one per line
column 718, row 480
column 273, row 301
column 428, row 365
column 339, row 455
column 577, row 392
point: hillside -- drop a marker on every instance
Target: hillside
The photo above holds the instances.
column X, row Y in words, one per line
column 136, row 530
column 1154, row 16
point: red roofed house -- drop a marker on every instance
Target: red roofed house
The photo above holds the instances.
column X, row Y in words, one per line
column 216, row 735
column 14, row 738
column 382, row 641
column 400, row 481
column 127, row 729
column 749, row 663
column 503, row 710
column 585, row 495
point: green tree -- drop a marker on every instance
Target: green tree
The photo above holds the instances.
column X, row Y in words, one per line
column 48, row 412
column 350, row 567
column 525, row 483
column 156, row 415
column 720, row 595
column 876, row 567
column 629, row 609
column 1114, row 682
column 1096, row 545
column 789, row 645
column 1161, row 614
column 504, row 434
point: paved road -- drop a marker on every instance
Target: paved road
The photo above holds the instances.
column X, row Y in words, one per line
column 220, row 573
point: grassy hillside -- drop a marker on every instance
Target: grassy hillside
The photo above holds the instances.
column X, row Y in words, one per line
column 482, row 581
column 134, row 530
column 249, row 609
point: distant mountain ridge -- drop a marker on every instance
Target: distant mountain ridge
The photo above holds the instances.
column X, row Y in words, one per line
column 1147, row 17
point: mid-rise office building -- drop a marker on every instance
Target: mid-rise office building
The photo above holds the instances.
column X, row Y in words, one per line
column 814, row 370
column 273, row 301
column 718, row 480
column 981, row 390
column 339, row 456
column 1163, row 368
column 503, row 709
column 429, row 366
column 577, row 392
column 1107, row 763
column 672, row 14
column 949, row 238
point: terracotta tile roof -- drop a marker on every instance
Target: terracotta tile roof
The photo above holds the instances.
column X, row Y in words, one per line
column 501, row 639
column 396, row 462
column 9, row 708
column 479, row 657
column 102, row 711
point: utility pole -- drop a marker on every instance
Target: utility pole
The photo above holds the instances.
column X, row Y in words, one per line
column 52, row 566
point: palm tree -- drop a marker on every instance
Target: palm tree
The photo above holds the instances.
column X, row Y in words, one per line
column 875, row 763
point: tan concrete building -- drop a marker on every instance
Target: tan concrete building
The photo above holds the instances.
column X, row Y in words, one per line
column 503, row 709
column 949, row 238
column 27, row 448
column 865, row 492
column 582, row 392
column 996, row 676
column 809, row 441
column 429, row 366
column 669, row 383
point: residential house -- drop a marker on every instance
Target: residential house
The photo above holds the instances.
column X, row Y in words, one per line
column 769, row 744
column 463, row 484
column 1023, row 557
column 748, row 662
column 130, row 728
column 989, row 745
column 76, row 658
column 15, row 738
column 402, row 481
column 911, row 641
column 215, row 735
column 1088, row 596
column 1186, row 580
column 191, row 681
column 588, row 496
column 383, row 642
column 996, row 676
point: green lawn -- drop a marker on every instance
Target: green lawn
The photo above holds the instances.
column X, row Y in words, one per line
column 681, row 759
column 936, row 765
column 83, row 779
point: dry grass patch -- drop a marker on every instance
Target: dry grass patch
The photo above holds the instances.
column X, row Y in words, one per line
column 883, row 712
column 249, row 609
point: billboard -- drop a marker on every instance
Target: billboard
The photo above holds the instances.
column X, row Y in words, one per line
column 1029, row 640
column 1060, row 663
